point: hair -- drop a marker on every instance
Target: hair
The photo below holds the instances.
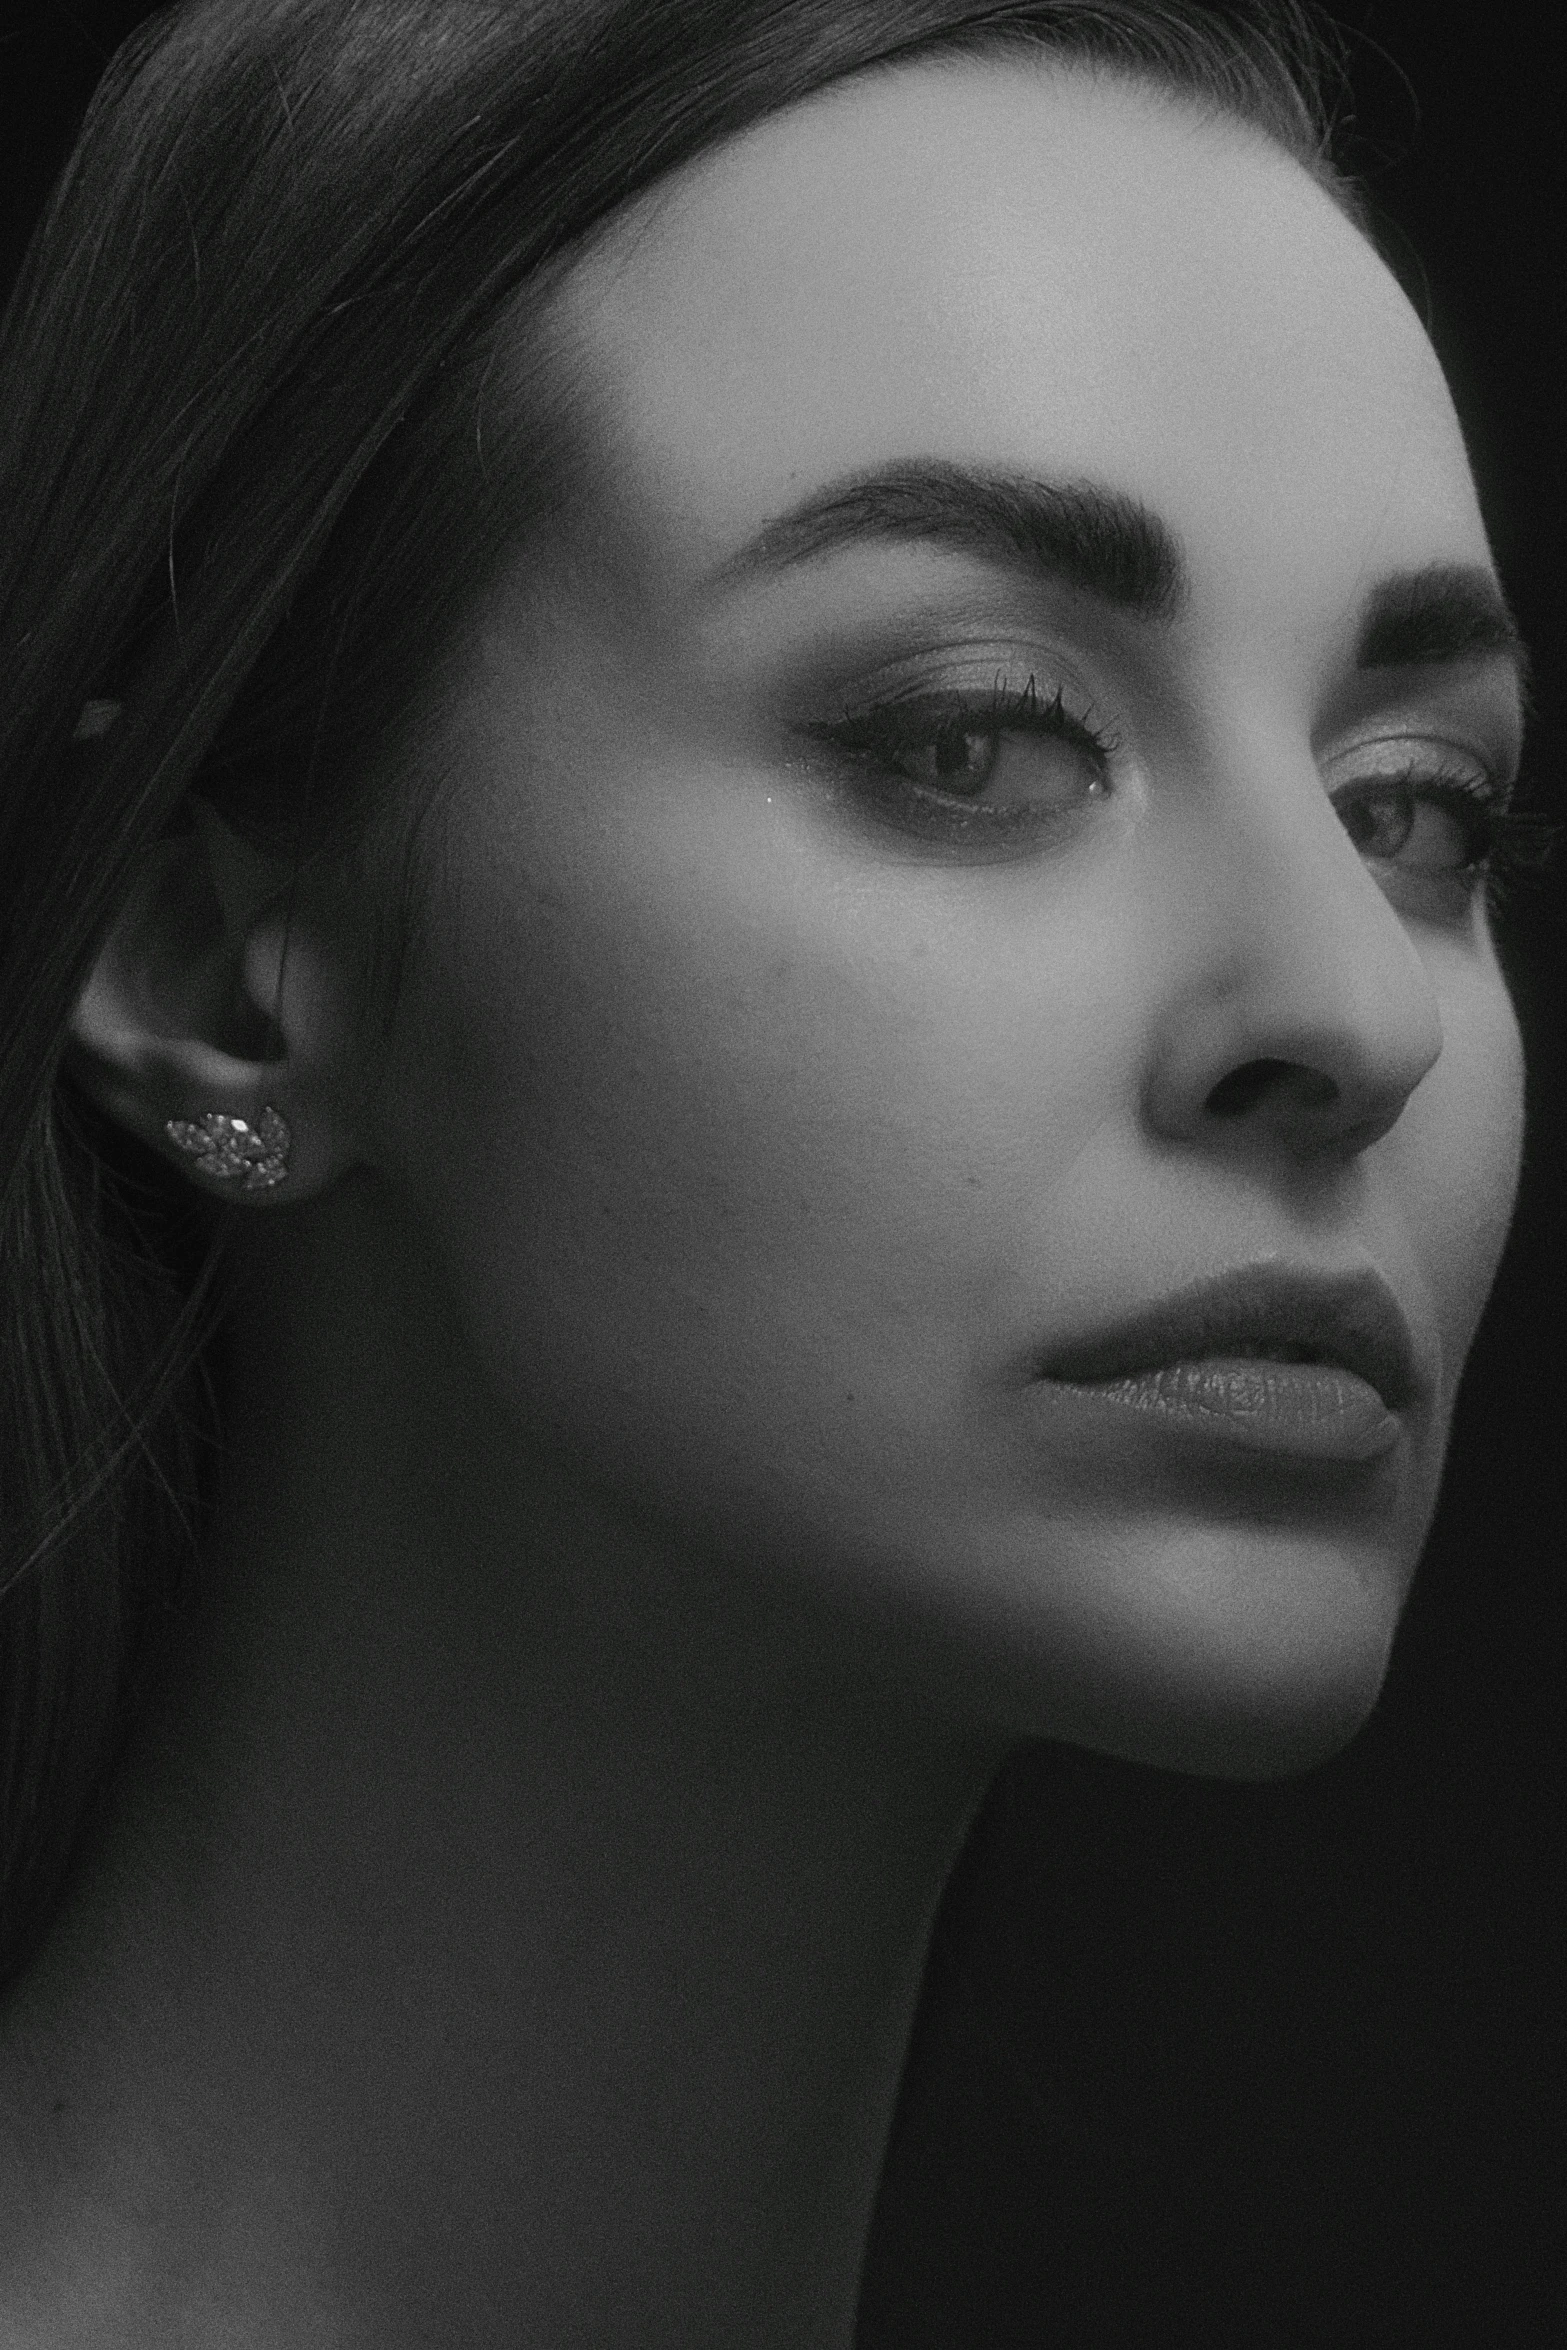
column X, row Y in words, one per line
column 247, row 492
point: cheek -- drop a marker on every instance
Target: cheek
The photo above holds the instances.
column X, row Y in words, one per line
column 729, row 1156
column 1460, row 1146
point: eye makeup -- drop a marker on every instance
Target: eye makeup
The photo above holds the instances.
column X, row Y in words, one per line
column 1000, row 771
column 967, row 769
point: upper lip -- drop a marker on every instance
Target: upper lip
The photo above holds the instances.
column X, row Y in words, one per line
column 1352, row 1319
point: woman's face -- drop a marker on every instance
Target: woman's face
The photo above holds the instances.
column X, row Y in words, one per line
column 779, row 1100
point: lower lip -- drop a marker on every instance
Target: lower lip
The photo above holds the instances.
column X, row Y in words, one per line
column 1309, row 1411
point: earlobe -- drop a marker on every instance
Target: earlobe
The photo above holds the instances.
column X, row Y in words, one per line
column 170, row 1039
column 232, row 1150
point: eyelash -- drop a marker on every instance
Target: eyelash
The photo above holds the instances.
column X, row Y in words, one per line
column 873, row 737
column 1507, row 843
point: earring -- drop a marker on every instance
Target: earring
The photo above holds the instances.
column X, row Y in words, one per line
column 224, row 1147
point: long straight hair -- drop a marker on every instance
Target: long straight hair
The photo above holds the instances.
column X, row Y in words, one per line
column 245, row 491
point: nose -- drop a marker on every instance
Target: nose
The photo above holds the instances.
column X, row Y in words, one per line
column 1299, row 1014
column 1309, row 1107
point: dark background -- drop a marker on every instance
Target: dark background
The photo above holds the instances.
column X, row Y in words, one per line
column 1272, row 2065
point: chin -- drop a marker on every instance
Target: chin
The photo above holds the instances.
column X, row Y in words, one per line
column 1234, row 1653
column 1260, row 1744
column 1257, row 1707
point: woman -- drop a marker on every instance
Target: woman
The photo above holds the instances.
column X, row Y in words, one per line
column 773, row 740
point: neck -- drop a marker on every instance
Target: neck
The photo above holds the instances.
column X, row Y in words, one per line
column 497, row 1933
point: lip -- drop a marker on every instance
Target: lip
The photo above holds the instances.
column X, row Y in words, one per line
column 1350, row 1323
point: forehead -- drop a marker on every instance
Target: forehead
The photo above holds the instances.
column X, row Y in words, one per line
column 1035, row 267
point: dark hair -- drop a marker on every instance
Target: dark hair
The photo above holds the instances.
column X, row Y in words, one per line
column 245, row 496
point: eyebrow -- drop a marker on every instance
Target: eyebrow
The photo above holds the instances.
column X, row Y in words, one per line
column 1107, row 544
column 1080, row 534
column 1445, row 612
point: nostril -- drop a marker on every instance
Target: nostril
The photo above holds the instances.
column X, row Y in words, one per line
column 1235, row 1094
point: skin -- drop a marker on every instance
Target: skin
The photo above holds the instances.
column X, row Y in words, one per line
column 644, row 1538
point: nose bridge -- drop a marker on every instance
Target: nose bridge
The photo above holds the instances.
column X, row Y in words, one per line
column 1298, row 1006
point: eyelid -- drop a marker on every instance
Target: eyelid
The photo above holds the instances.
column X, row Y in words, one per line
column 955, row 666
column 1477, row 713
column 1395, row 754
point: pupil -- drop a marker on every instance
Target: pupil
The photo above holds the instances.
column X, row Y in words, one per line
column 963, row 755
column 1387, row 812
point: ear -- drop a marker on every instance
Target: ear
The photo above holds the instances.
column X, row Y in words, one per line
column 205, row 999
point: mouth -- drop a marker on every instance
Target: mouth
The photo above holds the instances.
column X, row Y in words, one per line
column 1263, row 1314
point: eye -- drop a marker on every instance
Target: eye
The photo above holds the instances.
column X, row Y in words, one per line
column 1006, row 759
column 978, row 756
column 1430, row 822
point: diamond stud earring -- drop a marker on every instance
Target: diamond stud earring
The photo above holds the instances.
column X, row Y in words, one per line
column 225, row 1147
